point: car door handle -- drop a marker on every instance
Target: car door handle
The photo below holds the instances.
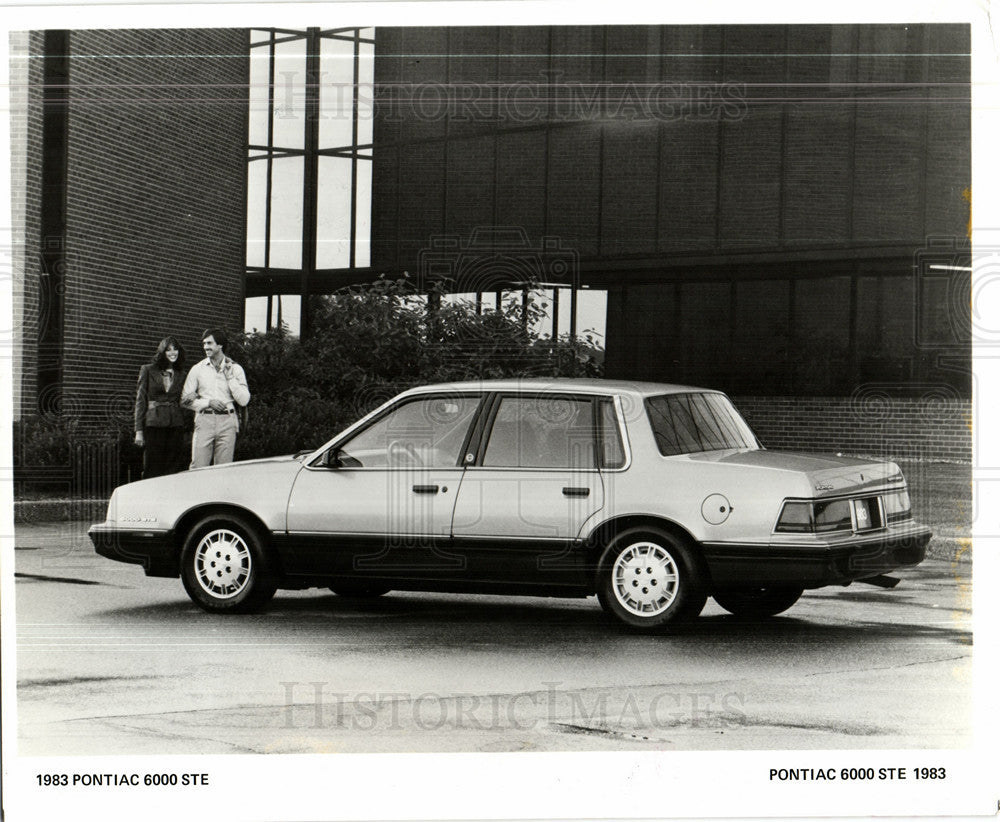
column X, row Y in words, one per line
column 571, row 491
column 425, row 489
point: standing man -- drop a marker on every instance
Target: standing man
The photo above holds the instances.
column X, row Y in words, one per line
column 213, row 389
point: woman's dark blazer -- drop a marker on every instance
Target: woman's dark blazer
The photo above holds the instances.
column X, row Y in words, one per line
column 154, row 406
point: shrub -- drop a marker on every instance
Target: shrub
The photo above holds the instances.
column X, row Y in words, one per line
column 43, row 441
column 53, row 453
column 371, row 342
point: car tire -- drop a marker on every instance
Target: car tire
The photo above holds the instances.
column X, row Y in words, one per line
column 758, row 603
column 359, row 590
column 224, row 567
column 648, row 579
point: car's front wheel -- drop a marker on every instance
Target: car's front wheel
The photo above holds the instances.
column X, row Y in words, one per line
column 224, row 567
column 648, row 578
column 759, row 602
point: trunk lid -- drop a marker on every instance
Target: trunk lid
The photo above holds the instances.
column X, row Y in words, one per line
column 826, row 475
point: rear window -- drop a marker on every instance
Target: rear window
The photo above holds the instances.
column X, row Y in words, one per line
column 689, row 423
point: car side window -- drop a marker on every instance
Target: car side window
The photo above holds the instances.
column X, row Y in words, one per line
column 542, row 432
column 612, row 449
column 424, row 433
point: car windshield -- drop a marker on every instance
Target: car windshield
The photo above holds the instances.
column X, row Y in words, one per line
column 688, row 423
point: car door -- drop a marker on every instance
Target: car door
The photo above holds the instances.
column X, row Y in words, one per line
column 533, row 482
column 381, row 503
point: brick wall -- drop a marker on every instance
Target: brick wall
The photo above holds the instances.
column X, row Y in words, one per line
column 153, row 240
column 155, row 205
column 26, row 192
column 933, row 427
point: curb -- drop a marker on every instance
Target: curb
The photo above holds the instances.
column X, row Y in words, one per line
column 59, row 510
column 951, row 548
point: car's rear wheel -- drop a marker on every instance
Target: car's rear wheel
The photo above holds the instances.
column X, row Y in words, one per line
column 759, row 602
column 224, row 567
column 648, row 578
column 359, row 590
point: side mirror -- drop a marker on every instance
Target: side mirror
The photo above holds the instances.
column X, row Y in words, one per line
column 336, row 458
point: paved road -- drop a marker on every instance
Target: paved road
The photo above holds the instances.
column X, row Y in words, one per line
column 112, row 662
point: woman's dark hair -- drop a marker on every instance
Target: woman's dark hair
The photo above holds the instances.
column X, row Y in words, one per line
column 160, row 358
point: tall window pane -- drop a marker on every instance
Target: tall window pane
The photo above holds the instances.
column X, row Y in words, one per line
column 286, row 213
column 260, row 62
column 363, row 230
column 256, row 211
column 336, row 96
column 333, row 244
column 289, row 94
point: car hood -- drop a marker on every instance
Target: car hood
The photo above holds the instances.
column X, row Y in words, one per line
column 230, row 466
column 227, row 474
column 261, row 486
column 826, row 475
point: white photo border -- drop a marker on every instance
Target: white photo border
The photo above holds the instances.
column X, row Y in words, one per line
column 543, row 785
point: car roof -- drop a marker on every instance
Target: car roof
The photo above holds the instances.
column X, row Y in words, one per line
column 566, row 385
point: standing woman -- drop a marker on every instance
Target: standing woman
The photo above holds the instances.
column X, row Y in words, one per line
column 159, row 421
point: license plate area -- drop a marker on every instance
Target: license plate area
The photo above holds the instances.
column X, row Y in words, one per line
column 869, row 515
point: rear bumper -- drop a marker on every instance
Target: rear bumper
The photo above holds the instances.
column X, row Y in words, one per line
column 816, row 564
column 153, row 550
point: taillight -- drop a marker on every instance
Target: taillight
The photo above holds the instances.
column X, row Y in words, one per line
column 796, row 517
column 832, row 516
column 815, row 517
column 897, row 506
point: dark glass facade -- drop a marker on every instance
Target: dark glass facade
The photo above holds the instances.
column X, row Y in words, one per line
column 771, row 209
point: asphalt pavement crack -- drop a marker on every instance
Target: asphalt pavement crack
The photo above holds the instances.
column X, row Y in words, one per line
column 67, row 580
column 158, row 733
column 842, row 728
column 568, row 727
column 76, row 680
column 891, row 667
